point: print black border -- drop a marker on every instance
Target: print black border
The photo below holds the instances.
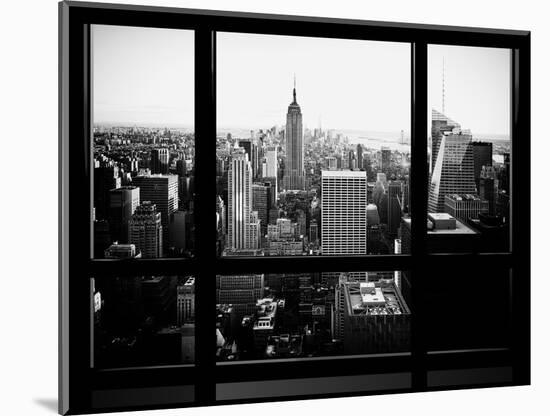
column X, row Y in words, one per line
column 84, row 390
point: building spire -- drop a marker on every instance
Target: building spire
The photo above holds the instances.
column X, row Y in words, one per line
column 443, row 89
column 294, row 90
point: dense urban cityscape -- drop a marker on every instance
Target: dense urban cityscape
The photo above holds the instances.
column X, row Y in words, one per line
column 315, row 168
column 282, row 191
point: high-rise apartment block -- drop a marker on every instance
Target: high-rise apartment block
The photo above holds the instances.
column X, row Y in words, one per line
column 343, row 212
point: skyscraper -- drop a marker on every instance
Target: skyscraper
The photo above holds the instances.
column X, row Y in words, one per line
column 261, row 202
column 105, row 178
column 488, row 187
column 123, row 202
column 240, row 228
column 271, row 173
column 465, row 207
column 160, row 160
column 251, row 149
column 344, row 214
column 161, row 190
column 271, row 161
column 359, row 156
column 453, row 172
column 394, row 202
column 385, row 159
column 483, row 156
column 186, row 301
column 241, row 291
column 440, row 124
column 294, row 165
column 145, row 230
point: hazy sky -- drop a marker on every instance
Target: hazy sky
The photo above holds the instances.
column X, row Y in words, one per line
column 146, row 76
column 348, row 84
column 477, row 86
column 143, row 75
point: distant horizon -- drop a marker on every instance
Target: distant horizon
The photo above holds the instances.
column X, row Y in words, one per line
column 501, row 136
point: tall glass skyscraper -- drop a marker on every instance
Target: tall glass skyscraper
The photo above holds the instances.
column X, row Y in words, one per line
column 243, row 227
column 453, row 162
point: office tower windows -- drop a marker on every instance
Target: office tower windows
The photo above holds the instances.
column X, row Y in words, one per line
column 106, row 178
column 483, row 156
column 123, row 202
column 146, row 231
column 243, row 231
column 465, row 207
column 186, row 301
column 159, row 161
column 469, row 145
column 162, row 190
column 261, row 203
column 143, row 134
column 343, row 212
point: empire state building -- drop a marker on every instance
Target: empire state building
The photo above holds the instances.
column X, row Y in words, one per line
column 294, row 166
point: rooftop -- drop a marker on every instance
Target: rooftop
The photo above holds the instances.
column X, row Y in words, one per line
column 463, row 197
column 461, row 228
column 343, row 173
column 370, row 298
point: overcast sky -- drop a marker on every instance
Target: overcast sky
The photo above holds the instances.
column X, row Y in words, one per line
column 143, row 75
column 477, row 86
column 348, row 84
column 146, row 76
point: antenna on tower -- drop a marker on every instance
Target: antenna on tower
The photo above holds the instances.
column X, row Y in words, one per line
column 443, row 89
column 294, row 90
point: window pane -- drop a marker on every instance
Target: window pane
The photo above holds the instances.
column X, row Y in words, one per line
column 313, row 148
column 469, row 149
column 143, row 321
column 467, row 309
column 270, row 316
column 143, row 142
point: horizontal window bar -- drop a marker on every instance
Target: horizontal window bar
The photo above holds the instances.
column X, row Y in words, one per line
column 143, row 377
column 295, row 25
column 312, row 386
column 298, row 264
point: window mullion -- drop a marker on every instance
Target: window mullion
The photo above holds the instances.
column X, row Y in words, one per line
column 419, row 209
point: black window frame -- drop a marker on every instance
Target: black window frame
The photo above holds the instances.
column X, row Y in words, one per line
column 82, row 388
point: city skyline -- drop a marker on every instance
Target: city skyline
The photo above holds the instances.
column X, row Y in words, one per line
column 285, row 190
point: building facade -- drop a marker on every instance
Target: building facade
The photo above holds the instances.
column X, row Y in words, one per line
column 343, row 212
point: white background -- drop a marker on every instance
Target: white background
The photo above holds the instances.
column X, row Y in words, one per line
column 28, row 205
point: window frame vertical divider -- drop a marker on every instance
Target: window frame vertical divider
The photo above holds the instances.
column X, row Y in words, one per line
column 520, row 191
column 205, row 210
column 419, row 199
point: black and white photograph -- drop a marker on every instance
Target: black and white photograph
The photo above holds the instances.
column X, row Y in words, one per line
column 281, row 207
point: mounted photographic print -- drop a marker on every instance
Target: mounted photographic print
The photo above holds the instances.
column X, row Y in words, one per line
column 262, row 207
